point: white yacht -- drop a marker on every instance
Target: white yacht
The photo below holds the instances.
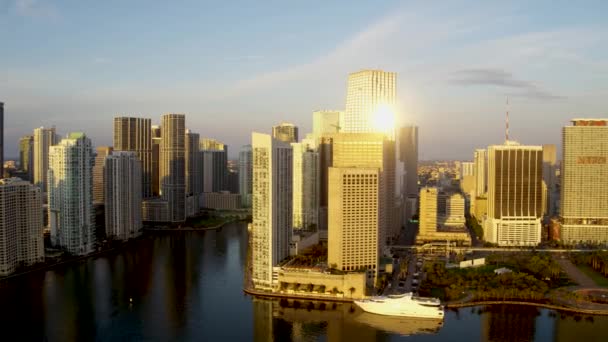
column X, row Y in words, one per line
column 406, row 305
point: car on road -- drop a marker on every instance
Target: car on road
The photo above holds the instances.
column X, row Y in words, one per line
column 401, row 285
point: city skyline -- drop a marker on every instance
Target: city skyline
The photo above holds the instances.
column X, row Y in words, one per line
column 547, row 66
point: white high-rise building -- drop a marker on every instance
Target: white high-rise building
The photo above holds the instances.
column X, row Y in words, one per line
column 454, row 210
column 21, row 227
column 271, row 227
column 123, row 195
column 44, row 138
column 306, row 186
column 370, row 102
column 584, row 198
column 327, row 122
column 245, row 175
column 515, row 195
column 70, row 193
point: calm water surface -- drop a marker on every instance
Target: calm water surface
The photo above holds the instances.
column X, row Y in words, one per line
column 188, row 286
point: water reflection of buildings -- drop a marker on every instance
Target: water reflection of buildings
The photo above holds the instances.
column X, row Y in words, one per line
column 580, row 328
column 508, row 323
column 306, row 320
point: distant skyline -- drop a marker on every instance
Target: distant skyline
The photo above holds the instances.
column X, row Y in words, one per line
column 238, row 67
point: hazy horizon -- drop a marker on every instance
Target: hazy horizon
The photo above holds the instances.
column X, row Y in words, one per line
column 237, row 67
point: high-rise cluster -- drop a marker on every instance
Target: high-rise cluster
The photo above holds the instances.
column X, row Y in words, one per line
column 340, row 183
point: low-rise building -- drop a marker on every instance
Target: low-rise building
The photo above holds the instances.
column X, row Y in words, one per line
column 316, row 282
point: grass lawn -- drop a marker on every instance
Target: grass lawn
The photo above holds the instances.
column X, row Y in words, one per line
column 599, row 279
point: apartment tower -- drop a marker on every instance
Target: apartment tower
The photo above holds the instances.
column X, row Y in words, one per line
column 172, row 172
column 21, row 235
column 98, row 174
column 245, row 175
column 44, row 138
column 135, row 134
column 584, row 191
column 271, row 227
column 70, row 194
column 123, row 199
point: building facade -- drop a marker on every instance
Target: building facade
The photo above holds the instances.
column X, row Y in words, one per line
column 306, row 186
column 98, row 174
column 1, row 139
column 26, row 155
column 271, row 227
column 370, row 94
column 327, row 122
column 245, row 175
column 135, row 135
column 172, row 172
column 285, row 132
column 21, row 227
column 44, row 138
column 584, row 190
column 123, row 199
column 515, row 196
column 70, row 194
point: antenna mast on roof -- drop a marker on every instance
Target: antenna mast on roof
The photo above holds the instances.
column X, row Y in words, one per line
column 507, row 124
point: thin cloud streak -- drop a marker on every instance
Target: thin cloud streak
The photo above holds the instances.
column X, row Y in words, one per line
column 36, row 9
column 501, row 78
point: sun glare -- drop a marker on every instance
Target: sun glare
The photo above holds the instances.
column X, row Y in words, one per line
column 384, row 119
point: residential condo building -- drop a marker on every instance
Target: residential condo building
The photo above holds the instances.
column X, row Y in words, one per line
column 135, row 134
column 172, row 172
column 44, row 138
column 123, row 199
column 271, row 227
column 70, row 194
column 21, row 227
column 584, row 188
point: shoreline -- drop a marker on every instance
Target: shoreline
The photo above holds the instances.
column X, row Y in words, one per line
column 542, row 305
column 556, row 307
column 125, row 244
column 191, row 229
column 46, row 267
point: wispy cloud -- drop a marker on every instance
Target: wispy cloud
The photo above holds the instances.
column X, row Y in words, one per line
column 501, row 78
column 36, row 9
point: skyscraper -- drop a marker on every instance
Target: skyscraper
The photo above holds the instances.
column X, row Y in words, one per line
column 272, row 206
column 286, row 132
column 20, row 225
column 245, row 175
column 215, row 165
column 515, row 176
column 481, row 172
column 327, row 122
column 172, row 172
column 26, row 154
column 370, row 101
column 550, row 179
column 194, row 184
column 135, row 134
column 123, row 199
column 584, row 198
column 194, row 171
column 1, row 139
column 98, row 174
column 156, row 166
column 306, row 186
column 371, row 157
column 44, row 138
column 70, row 193
column 408, row 155
column 428, row 211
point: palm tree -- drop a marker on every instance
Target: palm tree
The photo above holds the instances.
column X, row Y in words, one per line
column 352, row 290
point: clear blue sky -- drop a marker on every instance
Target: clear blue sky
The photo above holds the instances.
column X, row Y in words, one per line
column 234, row 67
